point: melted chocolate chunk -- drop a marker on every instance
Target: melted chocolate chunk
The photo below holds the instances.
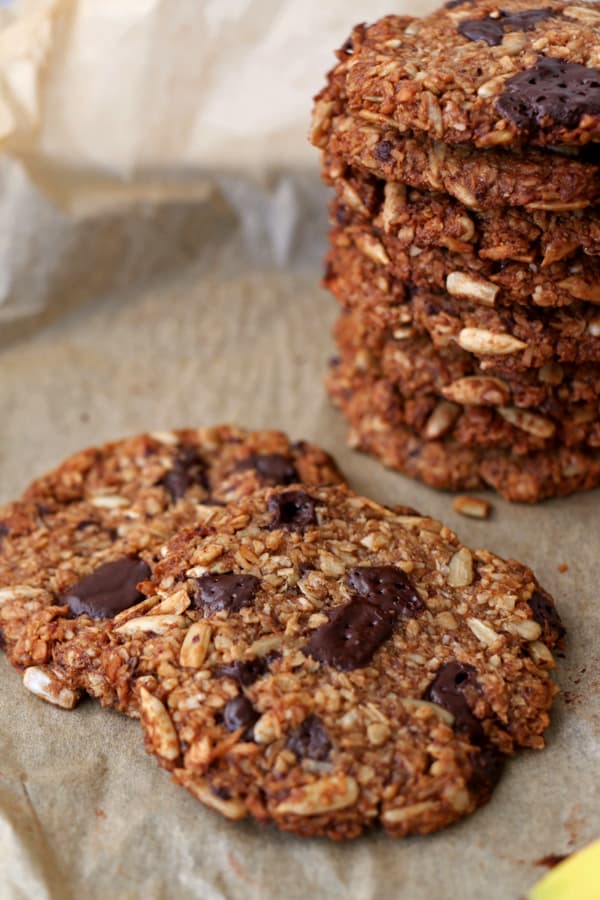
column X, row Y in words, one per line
column 492, row 30
column 352, row 635
column 239, row 713
column 387, row 587
column 487, row 767
column 229, row 591
column 447, row 691
column 246, row 672
column 188, row 469
column 383, row 151
column 273, row 468
column 109, row 590
column 552, row 90
column 292, row 510
column 545, row 614
column 310, row 740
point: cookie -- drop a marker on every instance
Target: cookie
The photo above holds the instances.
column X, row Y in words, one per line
column 525, row 74
column 378, row 427
column 559, row 284
column 414, row 365
column 81, row 539
column 424, row 219
column 474, row 411
column 340, row 664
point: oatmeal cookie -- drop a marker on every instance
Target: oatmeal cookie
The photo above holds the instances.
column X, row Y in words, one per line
column 523, row 74
column 378, row 427
column 74, row 548
column 340, row 664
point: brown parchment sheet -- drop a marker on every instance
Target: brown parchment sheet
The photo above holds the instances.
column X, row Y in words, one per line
column 148, row 283
column 83, row 811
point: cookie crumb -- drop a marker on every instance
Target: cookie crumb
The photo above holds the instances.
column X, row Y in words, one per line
column 473, row 507
column 563, row 568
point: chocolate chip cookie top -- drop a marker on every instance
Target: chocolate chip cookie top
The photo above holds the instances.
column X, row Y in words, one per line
column 521, row 72
column 82, row 537
column 361, row 665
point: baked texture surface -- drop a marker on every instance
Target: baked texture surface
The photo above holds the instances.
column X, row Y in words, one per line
column 337, row 664
column 75, row 546
column 378, row 425
column 482, row 75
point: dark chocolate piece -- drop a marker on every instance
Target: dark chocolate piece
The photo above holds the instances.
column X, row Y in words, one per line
column 383, row 151
column 109, row 590
column 273, row 468
column 487, row 768
column 292, row 511
column 239, row 713
column 492, row 29
column 188, row 469
column 387, row 587
column 310, row 740
column 551, row 91
column 447, row 691
column 229, row 591
column 352, row 635
column 546, row 615
column 247, row 671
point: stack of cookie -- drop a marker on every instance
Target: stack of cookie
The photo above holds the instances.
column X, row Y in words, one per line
column 465, row 242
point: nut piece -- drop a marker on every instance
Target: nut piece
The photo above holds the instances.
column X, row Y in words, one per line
column 441, row 420
column 460, row 569
column 472, row 287
column 525, row 628
column 373, row 249
column 161, row 730
column 527, row 421
column 482, row 632
column 478, row 390
column 480, row 340
column 175, row 604
column 394, row 204
column 108, row 501
column 325, row 795
column 195, row 645
column 378, row 733
column 45, row 684
column 154, row 624
column 472, row 507
column 231, row 809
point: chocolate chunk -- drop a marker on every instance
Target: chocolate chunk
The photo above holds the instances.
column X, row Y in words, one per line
column 387, row 587
column 310, row 741
column 246, row 672
column 546, row 615
column 292, row 510
column 230, row 591
column 188, row 469
column 352, row 635
column 347, row 47
column 305, row 567
column 4, row 530
column 383, row 151
column 551, row 91
column 273, row 468
column 447, row 690
column 109, row 590
column 239, row 713
column 487, row 765
column 492, row 30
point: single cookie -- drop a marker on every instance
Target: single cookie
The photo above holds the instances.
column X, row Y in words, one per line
column 476, row 74
column 515, row 336
column 423, row 219
column 376, row 344
column 475, row 412
column 75, row 547
column 559, row 284
column 378, row 427
column 340, row 664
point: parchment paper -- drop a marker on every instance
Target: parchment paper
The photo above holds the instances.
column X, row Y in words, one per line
column 231, row 325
